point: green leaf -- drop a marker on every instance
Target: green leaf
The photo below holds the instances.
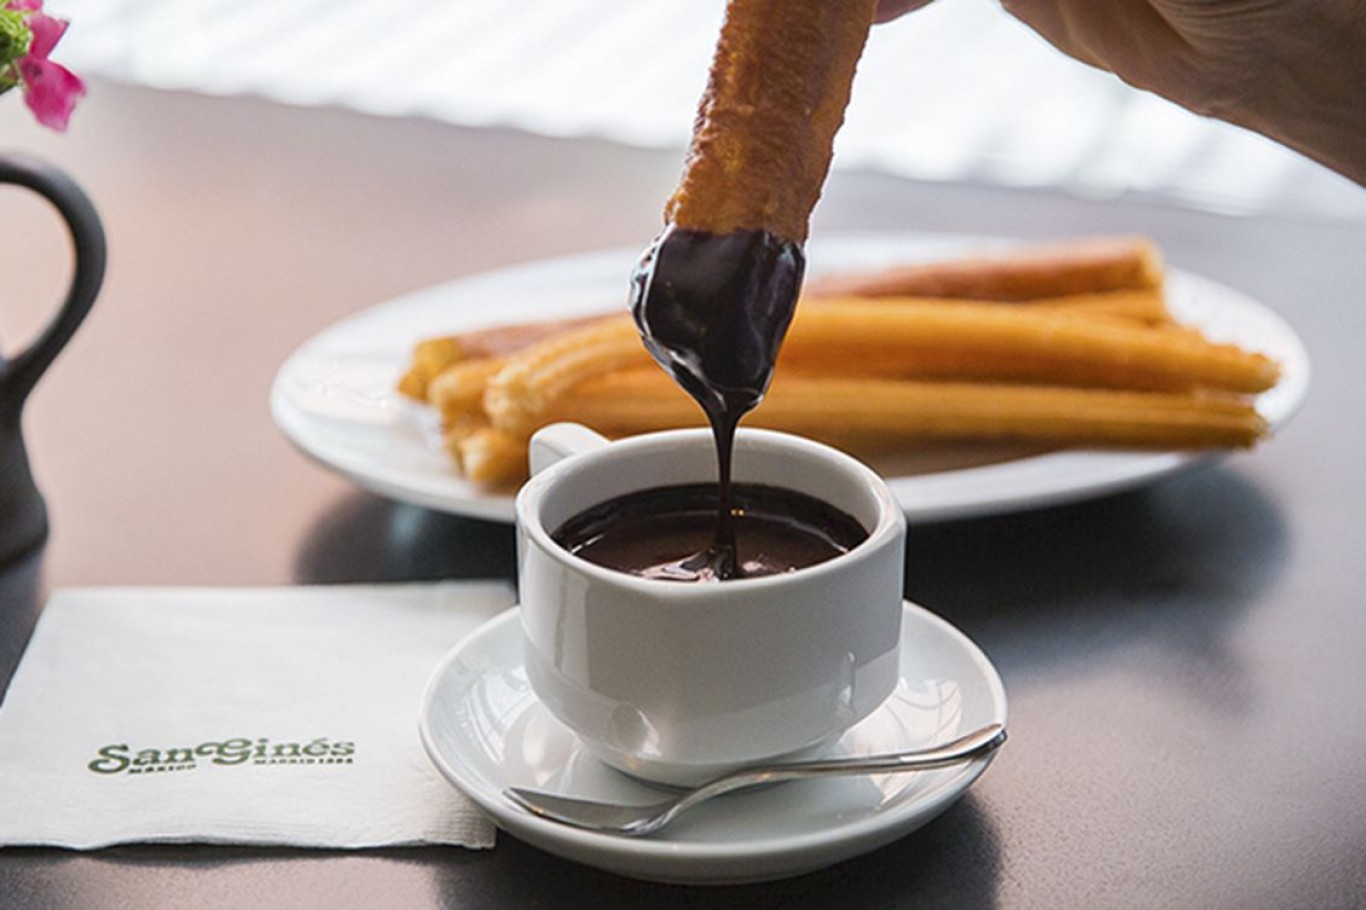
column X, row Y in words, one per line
column 15, row 36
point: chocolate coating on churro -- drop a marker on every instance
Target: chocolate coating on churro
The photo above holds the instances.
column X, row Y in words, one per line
column 713, row 309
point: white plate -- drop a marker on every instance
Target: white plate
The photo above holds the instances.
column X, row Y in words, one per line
column 334, row 397
column 485, row 730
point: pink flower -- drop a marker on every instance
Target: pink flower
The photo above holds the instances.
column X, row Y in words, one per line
column 50, row 89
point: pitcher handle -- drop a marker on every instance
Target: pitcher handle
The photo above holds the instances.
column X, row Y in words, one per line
column 88, row 243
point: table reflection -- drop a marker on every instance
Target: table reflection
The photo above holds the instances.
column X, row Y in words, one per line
column 365, row 538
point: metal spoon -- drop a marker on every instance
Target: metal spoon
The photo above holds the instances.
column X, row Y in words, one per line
column 637, row 820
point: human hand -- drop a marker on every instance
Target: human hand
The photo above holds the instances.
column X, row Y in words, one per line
column 1287, row 70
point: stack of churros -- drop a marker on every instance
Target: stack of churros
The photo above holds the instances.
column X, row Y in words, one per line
column 1067, row 345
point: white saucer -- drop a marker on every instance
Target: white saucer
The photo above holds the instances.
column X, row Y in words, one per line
column 485, row 730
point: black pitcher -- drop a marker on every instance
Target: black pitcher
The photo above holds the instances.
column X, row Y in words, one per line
column 23, row 515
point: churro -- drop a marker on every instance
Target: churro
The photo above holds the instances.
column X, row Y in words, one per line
column 433, row 356
column 534, row 377
column 761, row 147
column 1107, row 352
column 1142, row 305
column 430, row 357
column 1146, row 305
column 501, row 340
column 1090, row 266
column 490, row 456
column 856, row 411
column 459, row 389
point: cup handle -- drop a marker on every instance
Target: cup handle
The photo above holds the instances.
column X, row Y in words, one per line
column 87, row 237
column 559, row 441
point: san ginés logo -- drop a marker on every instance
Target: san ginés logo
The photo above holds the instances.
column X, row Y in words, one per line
column 123, row 758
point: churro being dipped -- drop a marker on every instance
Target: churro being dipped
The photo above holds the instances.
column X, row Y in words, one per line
column 715, row 293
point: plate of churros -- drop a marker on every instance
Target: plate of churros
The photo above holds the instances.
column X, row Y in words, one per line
column 978, row 376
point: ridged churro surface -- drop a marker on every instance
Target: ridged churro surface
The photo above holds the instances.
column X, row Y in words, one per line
column 765, row 129
column 1095, row 265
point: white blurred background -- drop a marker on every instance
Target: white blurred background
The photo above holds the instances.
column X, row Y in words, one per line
column 957, row 92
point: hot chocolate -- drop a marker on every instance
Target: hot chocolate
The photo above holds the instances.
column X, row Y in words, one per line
column 666, row 532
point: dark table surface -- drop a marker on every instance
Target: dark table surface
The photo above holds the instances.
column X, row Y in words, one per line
column 1184, row 662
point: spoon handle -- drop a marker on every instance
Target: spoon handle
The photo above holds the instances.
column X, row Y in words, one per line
column 637, row 820
column 969, row 746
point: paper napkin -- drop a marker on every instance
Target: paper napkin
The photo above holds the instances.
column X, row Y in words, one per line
column 285, row 716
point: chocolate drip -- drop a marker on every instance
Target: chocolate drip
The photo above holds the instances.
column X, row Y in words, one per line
column 713, row 310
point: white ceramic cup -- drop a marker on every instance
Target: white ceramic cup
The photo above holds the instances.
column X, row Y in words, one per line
column 676, row 682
